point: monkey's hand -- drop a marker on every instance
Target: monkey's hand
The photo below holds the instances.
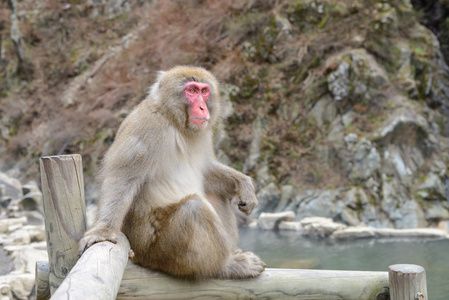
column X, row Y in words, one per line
column 95, row 235
column 247, row 198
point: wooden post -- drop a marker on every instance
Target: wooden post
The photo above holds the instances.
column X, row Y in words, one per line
column 407, row 282
column 97, row 274
column 42, row 290
column 64, row 208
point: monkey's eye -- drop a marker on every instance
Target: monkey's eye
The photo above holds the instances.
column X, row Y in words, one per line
column 192, row 90
column 204, row 91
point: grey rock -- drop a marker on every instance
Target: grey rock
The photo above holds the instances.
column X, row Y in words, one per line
column 263, row 173
column 10, row 187
column 354, row 233
column 20, row 285
column 268, row 199
column 347, row 215
column 348, row 118
column 286, row 197
column 254, row 150
column 339, row 81
column 411, row 233
column 357, row 72
column 402, row 211
column 290, row 225
column 436, row 210
column 25, row 259
column 366, row 160
column 336, row 134
column 320, row 227
column 321, row 204
column 7, row 224
column 270, row 221
column 351, row 140
column 324, row 111
column 433, row 188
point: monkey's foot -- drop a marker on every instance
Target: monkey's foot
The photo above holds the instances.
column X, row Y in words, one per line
column 243, row 265
column 97, row 235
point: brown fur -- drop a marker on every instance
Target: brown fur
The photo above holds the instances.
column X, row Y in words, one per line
column 163, row 187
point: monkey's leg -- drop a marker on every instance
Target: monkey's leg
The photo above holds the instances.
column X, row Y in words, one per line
column 191, row 242
column 242, row 265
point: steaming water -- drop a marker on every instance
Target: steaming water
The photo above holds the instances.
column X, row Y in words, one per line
column 286, row 249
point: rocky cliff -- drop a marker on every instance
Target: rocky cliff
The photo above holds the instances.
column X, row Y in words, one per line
column 339, row 108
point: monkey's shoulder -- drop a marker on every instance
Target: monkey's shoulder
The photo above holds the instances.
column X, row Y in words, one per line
column 142, row 123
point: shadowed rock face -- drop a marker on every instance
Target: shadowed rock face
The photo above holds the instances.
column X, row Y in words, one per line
column 435, row 17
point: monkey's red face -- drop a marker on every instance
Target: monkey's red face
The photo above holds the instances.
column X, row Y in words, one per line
column 198, row 94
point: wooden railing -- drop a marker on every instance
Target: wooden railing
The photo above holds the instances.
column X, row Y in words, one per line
column 104, row 272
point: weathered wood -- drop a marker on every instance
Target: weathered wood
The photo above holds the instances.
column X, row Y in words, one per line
column 64, row 208
column 140, row 283
column 42, row 288
column 407, row 282
column 97, row 274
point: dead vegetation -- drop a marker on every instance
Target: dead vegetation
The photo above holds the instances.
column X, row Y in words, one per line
column 65, row 41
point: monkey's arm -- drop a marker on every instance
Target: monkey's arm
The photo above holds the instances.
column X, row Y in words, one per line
column 123, row 174
column 225, row 181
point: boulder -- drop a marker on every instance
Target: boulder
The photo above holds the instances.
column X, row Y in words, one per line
column 20, row 285
column 269, row 221
column 18, row 237
column 354, row 233
column 319, row 227
column 6, row 225
column 36, row 232
column 25, row 259
column 411, row 233
column 290, row 225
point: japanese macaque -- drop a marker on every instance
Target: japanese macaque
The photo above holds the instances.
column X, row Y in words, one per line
column 163, row 187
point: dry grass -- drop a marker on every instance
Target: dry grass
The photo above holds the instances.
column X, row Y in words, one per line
column 64, row 43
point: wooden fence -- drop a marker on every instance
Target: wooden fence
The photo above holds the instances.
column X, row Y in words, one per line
column 104, row 272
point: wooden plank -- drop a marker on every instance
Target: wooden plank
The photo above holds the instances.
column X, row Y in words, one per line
column 141, row 283
column 97, row 274
column 64, row 208
column 407, row 282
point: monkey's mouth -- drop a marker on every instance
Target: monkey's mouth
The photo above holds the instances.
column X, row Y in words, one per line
column 200, row 121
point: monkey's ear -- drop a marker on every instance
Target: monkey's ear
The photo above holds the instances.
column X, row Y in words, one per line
column 153, row 91
column 160, row 74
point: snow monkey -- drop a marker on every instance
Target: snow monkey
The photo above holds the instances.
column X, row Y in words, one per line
column 163, row 187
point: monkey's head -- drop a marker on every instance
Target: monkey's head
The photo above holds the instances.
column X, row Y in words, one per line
column 188, row 97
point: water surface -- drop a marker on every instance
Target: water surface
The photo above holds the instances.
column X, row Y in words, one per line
column 287, row 249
